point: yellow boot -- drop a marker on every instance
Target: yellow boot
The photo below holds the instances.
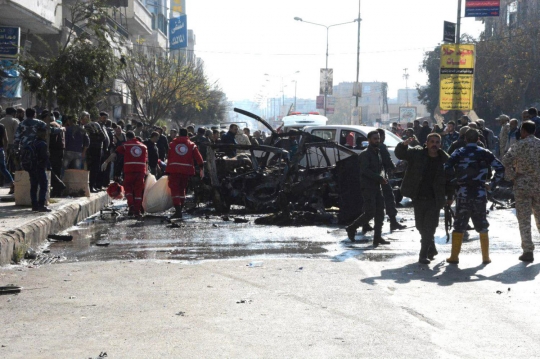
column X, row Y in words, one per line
column 484, row 245
column 457, row 240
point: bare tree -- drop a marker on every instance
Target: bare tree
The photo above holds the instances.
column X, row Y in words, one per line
column 157, row 83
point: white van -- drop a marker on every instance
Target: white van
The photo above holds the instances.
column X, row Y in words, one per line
column 297, row 120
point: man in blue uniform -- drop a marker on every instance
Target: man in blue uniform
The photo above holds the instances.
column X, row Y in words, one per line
column 470, row 167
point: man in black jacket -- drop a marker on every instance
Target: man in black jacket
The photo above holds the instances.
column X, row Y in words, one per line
column 153, row 153
column 372, row 177
column 425, row 184
column 388, row 192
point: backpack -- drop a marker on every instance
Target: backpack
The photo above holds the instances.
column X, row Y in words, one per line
column 28, row 157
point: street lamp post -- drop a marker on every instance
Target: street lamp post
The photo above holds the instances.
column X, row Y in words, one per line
column 295, row 83
column 327, row 27
column 282, row 85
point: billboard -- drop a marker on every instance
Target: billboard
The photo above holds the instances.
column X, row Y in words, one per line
column 457, row 77
column 320, row 102
column 482, row 8
column 326, row 82
column 407, row 114
column 178, row 32
column 10, row 41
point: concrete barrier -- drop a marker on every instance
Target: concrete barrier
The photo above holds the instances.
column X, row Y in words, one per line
column 15, row 242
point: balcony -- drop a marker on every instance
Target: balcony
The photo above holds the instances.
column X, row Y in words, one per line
column 41, row 17
column 139, row 19
column 158, row 39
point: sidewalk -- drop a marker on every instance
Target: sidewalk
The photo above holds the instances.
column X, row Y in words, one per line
column 21, row 228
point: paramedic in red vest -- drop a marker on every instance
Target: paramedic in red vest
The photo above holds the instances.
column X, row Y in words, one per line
column 135, row 164
column 182, row 154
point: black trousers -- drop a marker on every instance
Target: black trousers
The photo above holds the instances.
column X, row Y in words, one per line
column 56, row 159
column 373, row 208
column 38, row 178
column 426, row 217
column 93, row 161
column 389, row 200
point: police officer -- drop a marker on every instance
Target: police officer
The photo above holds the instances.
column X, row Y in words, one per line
column 135, row 163
column 469, row 167
column 182, row 154
column 373, row 176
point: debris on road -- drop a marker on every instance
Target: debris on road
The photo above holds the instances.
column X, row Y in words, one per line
column 10, row 289
column 30, row 254
column 60, row 237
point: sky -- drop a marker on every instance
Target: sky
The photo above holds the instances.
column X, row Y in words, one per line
column 242, row 40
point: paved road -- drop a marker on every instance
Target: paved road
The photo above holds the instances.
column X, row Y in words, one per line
column 315, row 295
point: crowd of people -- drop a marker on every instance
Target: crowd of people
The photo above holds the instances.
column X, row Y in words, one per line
column 47, row 141
column 460, row 162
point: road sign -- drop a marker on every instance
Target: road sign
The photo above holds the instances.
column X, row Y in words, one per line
column 10, row 41
column 457, row 77
column 178, row 32
column 449, row 34
column 482, row 8
column 407, row 114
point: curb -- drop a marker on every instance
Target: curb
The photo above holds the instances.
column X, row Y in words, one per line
column 13, row 243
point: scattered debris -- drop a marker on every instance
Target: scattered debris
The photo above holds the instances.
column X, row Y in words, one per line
column 226, row 218
column 59, row 237
column 72, row 297
column 30, row 254
column 101, row 355
column 10, row 289
column 244, row 301
column 102, row 243
column 214, row 225
column 46, row 251
column 255, row 264
column 499, row 292
column 181, row 314
column 240, row 220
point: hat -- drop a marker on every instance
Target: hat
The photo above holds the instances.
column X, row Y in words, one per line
column 503, row 117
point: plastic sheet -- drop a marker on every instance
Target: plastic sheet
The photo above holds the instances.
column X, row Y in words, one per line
column 157, row 197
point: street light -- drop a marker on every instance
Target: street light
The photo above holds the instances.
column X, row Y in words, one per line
column 282, row 85
column 326, row 68
column 295, row 83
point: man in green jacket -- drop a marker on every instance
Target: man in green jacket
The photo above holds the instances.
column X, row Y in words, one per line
column 426, row 185
column 372, row 177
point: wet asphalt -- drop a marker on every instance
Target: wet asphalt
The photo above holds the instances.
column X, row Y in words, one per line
column 204, row 235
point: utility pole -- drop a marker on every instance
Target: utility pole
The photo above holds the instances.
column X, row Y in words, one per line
column 406, row 77
column 458, row 25
column 358, row 55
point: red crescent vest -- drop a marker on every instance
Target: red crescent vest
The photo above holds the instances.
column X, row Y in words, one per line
column 135, row 156
column 182, row 152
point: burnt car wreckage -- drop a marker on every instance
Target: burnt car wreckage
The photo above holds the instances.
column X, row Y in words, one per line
column 292, row 174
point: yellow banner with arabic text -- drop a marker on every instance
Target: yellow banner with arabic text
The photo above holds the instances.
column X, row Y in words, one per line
column 457, row 77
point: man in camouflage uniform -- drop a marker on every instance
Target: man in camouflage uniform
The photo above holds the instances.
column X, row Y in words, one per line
column 470, row 166
column 27, row 130
column 522, row 162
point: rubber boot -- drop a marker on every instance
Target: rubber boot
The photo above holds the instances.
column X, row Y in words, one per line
column 395, row 225
column 484, row 245
column 378, row 239
column 423, row 257
column 178, row 212
column 457, row 240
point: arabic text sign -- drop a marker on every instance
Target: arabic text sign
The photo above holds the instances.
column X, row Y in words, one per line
column 457, row 77
column 326, row 83
column 407, row 114
column 10, row 38
column 178, row 33
column 482, row 8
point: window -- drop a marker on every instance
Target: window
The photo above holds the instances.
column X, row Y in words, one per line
column 328, row 135
column 511, row 13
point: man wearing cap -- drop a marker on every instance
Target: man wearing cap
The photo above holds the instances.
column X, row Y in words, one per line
column 182, row 154
column 135, row 163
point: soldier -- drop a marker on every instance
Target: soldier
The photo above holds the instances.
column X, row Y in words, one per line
column 27, row 130
column 522, row 162
column 373, row 176
column 182, row 154
column 470, row 167
column 388, row 192
column 425, row 184
column 135, row 164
